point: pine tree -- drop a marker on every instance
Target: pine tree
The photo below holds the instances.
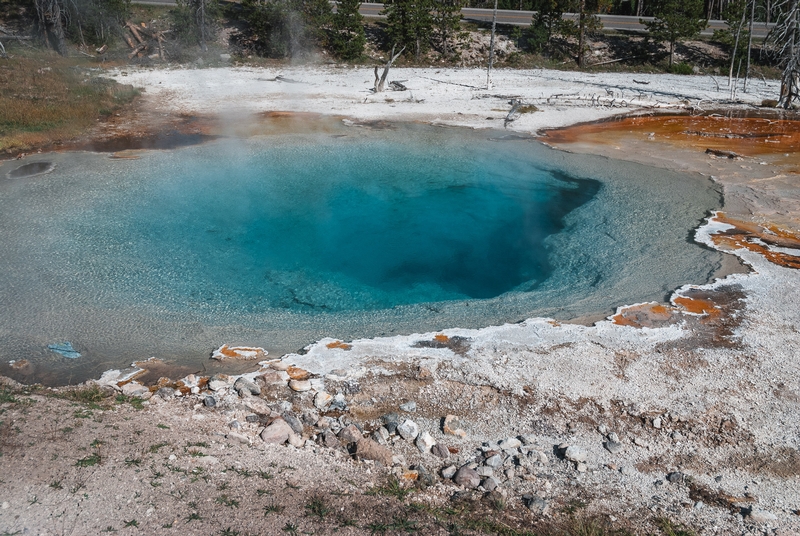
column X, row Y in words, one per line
column 446, row 24
column 676, row 20
column 348, row 39
column 410, row 24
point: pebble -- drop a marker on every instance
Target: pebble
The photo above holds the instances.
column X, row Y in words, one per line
column 241, row 438
column 209, row 401
column 277, row 432
column 449, row 471
column 575, row 453
column 603, row 429
column 245, row 386
column 409, row 407
column 537, row 505
column 528, row 439
column 510, row 443
column 484, row 471
column 252, row 418
column 440, row 451
column 370, row 450
column 657, row 422
column 408, row 430
column 489, row 484
column 494, row 461
column 293, row 422
column 300, row 385
column 329, row 439
column 338, row 403
column 510, row 473
column 452, row 426
column 322, row 400
column 467, row 477
column 350, row 434
column 310, row 418
column 219, row 381
column 613, row 447
column 166, row 393
column 425, row 442
column 675, row 477
column 613, row 437
column 581, row 467
column 761, row 516
column 297, row 373
column 5, row 506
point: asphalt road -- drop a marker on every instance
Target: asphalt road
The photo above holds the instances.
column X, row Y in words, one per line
column 523, row 18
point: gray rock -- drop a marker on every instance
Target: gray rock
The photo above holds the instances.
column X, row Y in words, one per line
column 369, row 450
column 510, row 443
column 613, row 437
column 657, row 423
column 219, row 381
column 383, row 433
column 350, row 434
column 424, row 442
column 409, row 407
column 300, row 386
column 252, row 418
column 510, row 473
column 575, row 454
column 613, row 447
column 338, row 403
column 489, row 484
column 603, row 429
column 440, row 451
column 329, row 439
column 467, row 478
column 322, row 400
column 277, row 432
column 243, row 386
column 166, row 393
column 424, row 476
column 449, row 471
column 537, row 505
column 209, row 401
column 676, row 477
column 294, row 422
column 761, row 516
column 134, row 389
column 390, row 417
column 391, row 427
column 494, row 461
column 310, row 418
column 484, row 471
column 408, row 430
column 581, row 467
column 528, row 439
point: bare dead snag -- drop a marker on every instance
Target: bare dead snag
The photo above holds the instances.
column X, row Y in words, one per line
column 381, row 83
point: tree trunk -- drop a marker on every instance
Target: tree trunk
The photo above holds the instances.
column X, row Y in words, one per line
column 581, row 32
column 380, row 83
column 491, row 48
column 671, row 53
column 749, row 44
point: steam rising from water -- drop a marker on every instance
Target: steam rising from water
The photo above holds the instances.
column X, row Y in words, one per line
column 280, row 241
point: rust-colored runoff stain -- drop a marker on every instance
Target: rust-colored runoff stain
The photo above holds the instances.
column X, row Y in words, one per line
column 698, row 306
column 758, row 238
column 338, row 344
column 746, row 136
column 644, row 315
column 441, row 337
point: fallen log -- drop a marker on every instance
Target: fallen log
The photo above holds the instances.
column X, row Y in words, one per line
column 724, row 154
column 135, row 31
column 137, row 50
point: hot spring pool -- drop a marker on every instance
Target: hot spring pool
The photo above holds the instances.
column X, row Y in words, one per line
column 278, row 241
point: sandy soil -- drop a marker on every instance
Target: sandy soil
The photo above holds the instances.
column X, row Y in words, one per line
column 702, row 395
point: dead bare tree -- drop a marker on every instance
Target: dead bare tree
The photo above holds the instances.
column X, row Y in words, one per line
column 784, row 43
column 52, row 15
column 380, row 83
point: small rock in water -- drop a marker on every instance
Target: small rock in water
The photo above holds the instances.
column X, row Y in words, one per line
column 243, row 385
column 65, row 349
column 209, row 401
column 408, row 430
column 467, row 477
column 575, row 453
column 409, row 407
column 424, row 442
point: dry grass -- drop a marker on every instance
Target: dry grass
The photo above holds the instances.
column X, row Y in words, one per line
column 46, row 99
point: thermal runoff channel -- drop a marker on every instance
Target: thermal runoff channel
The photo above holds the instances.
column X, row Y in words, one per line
column 282, row 240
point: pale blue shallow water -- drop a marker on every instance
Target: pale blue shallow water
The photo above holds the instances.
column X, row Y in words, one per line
column 279, row 241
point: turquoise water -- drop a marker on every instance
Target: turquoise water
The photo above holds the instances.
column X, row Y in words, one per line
column 280, row 241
